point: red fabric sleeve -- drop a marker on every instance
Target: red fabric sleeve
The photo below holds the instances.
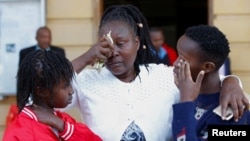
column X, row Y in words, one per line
column 74, row 131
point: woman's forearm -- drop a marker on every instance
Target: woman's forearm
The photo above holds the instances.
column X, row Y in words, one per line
column 80, row 63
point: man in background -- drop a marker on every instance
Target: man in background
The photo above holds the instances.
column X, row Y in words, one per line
column 43, row 38
column 166, row 54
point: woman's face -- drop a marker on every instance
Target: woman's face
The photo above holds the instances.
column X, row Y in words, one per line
column 126, row 44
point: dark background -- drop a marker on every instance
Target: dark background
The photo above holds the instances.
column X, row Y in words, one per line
column 174, row 16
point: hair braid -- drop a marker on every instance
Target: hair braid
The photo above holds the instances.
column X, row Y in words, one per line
column 43, row 69
column 133, row 17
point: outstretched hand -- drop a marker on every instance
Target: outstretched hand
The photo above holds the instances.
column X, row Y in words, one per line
column 189, row 89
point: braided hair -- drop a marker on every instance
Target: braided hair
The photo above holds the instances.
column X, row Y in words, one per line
column 212, row 42
column 136, row 20
column 43, row 69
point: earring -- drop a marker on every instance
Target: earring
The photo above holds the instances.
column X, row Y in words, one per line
column 144, row 47
column 140, row 25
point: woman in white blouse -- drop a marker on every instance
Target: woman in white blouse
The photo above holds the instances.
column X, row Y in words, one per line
column 129, row 97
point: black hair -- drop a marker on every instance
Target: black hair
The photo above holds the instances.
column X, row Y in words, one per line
column 136, row 20
column 43, row 69
column 212, row 42
column 42, row 28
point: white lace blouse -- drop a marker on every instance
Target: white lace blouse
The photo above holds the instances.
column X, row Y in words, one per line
column 108, row 105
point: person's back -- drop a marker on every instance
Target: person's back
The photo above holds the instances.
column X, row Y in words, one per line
column 202, row 50
column 43, row 38
column 45, row 82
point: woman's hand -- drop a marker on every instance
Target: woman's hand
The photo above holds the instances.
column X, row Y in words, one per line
column 100, row 51
column 233, row 95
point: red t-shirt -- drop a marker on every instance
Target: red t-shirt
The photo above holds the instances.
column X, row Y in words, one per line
column 172, row 54
column 26, row 127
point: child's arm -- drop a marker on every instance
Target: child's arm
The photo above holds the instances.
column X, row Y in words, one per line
column 68, row 128
column 184, row 125
column 75, row 131
column 48, row 117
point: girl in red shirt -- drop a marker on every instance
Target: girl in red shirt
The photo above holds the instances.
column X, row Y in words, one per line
column 44, row 83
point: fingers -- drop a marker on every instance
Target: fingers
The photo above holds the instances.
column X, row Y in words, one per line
column 178, row 76
column 243, row 105
column 245, row 102
column 224, row 106
column 108, row 42
column 101, row 50
column 102, row 56
column 240, row 107
column 105, row 53
column 107, row 46
column 187, row 69
column 99, row 55
column 188, row 88
column 200, row 78
column 182, row 69
column 233, row 95
column 235, row 111
column 176, row 80
column 233, row 106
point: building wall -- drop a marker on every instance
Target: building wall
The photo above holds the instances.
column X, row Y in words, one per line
column 74, row 27
column 233, row 18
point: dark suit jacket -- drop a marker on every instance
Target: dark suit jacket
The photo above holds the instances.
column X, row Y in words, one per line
column 227, row 66
column 24, row 52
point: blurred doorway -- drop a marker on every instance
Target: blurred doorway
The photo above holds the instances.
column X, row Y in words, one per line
column 174, row 16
